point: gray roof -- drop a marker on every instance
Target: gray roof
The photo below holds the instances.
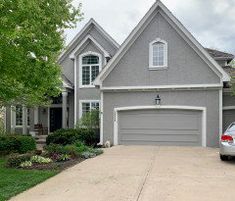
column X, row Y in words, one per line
column 66, row 82
column 219, row 55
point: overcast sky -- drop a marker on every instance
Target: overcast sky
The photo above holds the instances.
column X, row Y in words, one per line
column 212, row 22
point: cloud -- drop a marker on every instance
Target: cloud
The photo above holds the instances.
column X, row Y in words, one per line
column 212, row 22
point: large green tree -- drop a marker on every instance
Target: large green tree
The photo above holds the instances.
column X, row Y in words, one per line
column 31, row 38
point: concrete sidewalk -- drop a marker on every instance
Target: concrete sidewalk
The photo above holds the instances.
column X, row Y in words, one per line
column 142, row 173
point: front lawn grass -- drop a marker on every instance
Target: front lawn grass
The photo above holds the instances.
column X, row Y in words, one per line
column 14, row 181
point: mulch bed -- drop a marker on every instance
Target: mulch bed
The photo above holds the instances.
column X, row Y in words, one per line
column 55, row 165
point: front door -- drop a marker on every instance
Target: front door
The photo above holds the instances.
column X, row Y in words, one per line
column 55, row 119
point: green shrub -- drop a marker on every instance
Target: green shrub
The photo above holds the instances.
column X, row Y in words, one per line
column 63, row 157
column 88, row 136
column 70, row 136
column 27, row 143
column 54, row 149
column 15, row 160
column 63, row 137
column 81, row 147
column 16, row 144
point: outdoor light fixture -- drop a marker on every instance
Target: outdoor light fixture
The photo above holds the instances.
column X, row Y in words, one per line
column 158, row 100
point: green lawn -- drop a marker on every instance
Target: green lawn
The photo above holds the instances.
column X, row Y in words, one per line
column 14, row 181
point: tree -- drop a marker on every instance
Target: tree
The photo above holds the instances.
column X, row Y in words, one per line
column 31, row 38
column 90, row 120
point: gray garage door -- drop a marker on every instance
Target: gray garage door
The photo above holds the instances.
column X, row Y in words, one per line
column 228, row 118
column 160, row 127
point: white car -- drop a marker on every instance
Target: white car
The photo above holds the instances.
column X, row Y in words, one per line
column 227, row 143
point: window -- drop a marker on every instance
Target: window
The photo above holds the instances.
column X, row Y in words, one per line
column 90, row 68
column 19, row 116
column 87, row 106
column 158, row 54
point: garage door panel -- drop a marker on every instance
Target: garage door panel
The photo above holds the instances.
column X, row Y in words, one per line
column 170, row 127
column 159, row 122
column 161, row 138
column 160, row 131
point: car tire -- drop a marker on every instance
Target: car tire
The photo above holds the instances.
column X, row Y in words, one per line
column 224, row 157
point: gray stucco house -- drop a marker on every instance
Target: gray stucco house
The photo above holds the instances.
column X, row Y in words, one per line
column 159, row 87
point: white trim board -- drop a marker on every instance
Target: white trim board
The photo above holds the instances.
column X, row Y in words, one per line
column 87, row 25
column 176, row 107
column 220, row 112
column 101, row 118
column 183, row 32
column 161, row 87
column 88, row 37
column 229, row 108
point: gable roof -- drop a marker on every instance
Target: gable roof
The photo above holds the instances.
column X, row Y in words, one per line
column 66, row 82
column 88, row 37
column 87, row 26
column 185, row 34
column 219, row 55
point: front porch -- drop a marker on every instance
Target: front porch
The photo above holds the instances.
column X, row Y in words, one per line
column 43, row 120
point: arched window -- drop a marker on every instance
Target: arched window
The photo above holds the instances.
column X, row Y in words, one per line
column 158, row 54
column 90, row 68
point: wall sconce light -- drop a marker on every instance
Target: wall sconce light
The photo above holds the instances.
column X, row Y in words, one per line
column 158, row 100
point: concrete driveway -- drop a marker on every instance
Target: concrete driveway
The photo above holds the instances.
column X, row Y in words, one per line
column 142, row 173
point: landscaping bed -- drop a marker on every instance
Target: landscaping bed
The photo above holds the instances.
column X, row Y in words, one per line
column 14, row 181
column 22, row 166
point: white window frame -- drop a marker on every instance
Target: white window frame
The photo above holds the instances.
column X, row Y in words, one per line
column 91, row 85
column 13, row 117
column 165, row 54
column 86, row 101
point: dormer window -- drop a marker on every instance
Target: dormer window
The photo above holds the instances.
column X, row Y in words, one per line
column 90, row 65
column 158, row 54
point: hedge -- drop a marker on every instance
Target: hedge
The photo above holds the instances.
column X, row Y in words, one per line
column 16, row 144
column 70, row 136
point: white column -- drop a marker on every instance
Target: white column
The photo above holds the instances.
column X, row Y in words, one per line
column 35, row 115
column 24, row 120
column 64, row 109
column 13, row 119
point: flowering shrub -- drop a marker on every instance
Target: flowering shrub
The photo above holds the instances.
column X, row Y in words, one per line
column 26, row 164
column 40, row 159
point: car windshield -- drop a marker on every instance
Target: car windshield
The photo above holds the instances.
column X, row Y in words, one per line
column 231, row 128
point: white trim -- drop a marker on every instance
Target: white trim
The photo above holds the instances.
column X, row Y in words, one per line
column 89, row 23
column 177, row 107
column 159, row 87
column 101, row 118
column 86, row 101
column 48, row 119
column 13, row 118
column 75, row 92
column 229, row 108
column 151, row 66
column 81, row 65
column 220, row 112
column 73, row 54
column 141, row 26
column 65, row 85
column 36, row 115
